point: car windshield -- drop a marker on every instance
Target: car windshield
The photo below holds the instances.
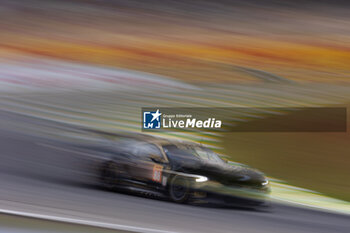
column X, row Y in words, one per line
column 194, row 151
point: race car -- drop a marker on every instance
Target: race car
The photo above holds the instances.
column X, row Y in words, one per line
column 180, row 171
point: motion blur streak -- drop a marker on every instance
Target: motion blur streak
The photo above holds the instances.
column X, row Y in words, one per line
column 307, row 41
column 93, row 64
column 49, row 181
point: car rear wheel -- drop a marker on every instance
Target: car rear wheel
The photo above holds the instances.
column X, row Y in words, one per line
column 179, row 189
column 108, row 175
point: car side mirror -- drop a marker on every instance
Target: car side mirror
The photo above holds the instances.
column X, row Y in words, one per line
column 225, row 160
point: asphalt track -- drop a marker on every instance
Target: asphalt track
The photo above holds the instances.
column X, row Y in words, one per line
column 38, row 176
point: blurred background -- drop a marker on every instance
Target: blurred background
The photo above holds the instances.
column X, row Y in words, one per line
column 95, row 63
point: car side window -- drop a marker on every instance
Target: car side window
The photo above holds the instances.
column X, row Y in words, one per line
column 145, row 150
column 202, row 154
column 127, row 146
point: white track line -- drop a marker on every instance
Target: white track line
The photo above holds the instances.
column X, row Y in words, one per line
column 84, row 222
column 81, row 221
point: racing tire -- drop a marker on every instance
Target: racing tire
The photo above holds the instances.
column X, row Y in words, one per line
column 179, row 189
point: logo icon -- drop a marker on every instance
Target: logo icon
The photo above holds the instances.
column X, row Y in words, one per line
column 151, row 120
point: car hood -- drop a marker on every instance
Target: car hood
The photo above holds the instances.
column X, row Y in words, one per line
column 226, row 173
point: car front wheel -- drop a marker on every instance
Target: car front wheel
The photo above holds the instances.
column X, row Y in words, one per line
column 179, row 189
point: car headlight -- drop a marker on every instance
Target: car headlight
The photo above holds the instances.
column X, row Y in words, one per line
column 201, row 179
column 266, row 182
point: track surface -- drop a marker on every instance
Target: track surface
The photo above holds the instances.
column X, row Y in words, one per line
column 38, row 178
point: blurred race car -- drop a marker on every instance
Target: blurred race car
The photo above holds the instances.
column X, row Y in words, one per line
column 181, row 171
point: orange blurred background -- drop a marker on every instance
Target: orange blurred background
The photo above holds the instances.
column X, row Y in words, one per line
column 208, row 41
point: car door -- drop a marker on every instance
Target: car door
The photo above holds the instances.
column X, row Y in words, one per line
column 150, row 164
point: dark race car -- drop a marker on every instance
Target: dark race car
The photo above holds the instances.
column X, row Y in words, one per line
column 181, row 171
